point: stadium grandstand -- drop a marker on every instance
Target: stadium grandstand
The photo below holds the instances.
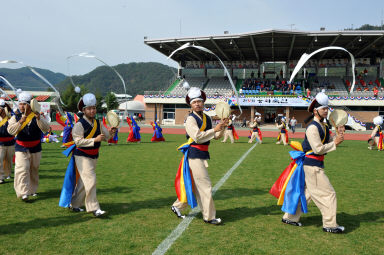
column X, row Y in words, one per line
column 261, row 63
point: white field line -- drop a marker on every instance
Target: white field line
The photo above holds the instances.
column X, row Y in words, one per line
column 176, row 233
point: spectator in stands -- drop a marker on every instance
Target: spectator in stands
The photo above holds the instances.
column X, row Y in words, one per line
column 375, row 92
column 308, row 93
column 370, row 82
column 365, row 72
column 358, row 89
column 348, row 83
column 252, row 74
column 264, row 75
column 258, row 74
column 366, row 89
column 281, row 73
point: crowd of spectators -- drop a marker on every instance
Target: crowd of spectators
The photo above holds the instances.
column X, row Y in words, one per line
column 363, row 86
column 324, row 84
column 255, row 86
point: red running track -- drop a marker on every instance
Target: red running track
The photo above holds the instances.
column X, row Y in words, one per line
column 243, row 133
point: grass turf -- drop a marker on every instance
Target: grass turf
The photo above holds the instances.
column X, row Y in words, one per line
column 135, row 186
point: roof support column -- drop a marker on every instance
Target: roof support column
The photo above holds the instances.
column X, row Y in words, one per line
column 179, row 71
column 347, row 69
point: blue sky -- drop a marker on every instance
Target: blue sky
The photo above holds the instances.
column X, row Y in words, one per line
column 43, row 33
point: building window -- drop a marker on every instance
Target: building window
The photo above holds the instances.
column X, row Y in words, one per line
column 169, row 111
column 169, row 115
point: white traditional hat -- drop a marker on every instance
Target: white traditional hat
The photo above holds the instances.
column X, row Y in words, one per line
column 87, row 100
column 2, row 103
column 320, row 101
column 195, row 93
column 378, row 120
column 24, row 97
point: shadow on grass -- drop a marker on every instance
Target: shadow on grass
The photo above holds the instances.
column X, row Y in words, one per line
column 239, row 213
column 55, row 193
column 349, row 221
column 23, row 227
column 239, row 192
column 58, row 170
column 124, row 208
column 42, row 176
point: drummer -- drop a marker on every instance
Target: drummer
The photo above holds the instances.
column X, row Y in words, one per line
column 317, row 143
column 377, row 133
column 88, row 134
column 27, row 127
column 255, row 133
column 7, row 143
column 199, row 133
column 283, row 134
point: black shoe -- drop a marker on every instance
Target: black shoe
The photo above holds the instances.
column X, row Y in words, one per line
column 336, row 230
column 177, row 212
column 214, row 221
column 76, row 209
column 293, row 223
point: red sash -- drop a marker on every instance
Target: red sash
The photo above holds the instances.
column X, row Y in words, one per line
column 91, row 152
column 6, row 139
column 319, row 158
column 380, row 145
column 28, row 144
column 200, row 147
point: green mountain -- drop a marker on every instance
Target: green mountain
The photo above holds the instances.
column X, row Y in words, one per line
column 24, row 79
column 138, row 77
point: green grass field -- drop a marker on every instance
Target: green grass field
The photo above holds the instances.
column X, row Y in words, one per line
column 135, row 186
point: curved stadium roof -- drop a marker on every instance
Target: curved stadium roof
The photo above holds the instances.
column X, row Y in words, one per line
column 275, row 45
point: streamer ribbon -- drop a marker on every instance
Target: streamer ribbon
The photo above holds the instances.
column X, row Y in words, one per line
column 187, row 45
column 88, row 55
column 305, row 57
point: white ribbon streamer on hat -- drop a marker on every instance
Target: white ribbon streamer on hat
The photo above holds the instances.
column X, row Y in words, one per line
column 305, row 57
column 5, row 93
column 89, row 55
column 38, row 75
column 182, row 47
